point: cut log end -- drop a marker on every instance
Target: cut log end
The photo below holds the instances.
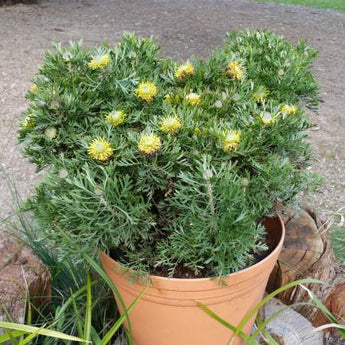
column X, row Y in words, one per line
column 289, row 327
column 308, row 253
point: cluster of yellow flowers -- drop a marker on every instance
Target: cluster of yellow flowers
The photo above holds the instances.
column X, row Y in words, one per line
column 150, row 144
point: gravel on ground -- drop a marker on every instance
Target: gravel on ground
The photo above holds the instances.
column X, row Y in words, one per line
column 182, row 28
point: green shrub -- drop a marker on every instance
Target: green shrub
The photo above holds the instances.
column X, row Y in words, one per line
column 171, row 165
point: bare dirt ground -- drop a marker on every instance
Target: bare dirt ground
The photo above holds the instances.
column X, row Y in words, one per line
column 183, row 28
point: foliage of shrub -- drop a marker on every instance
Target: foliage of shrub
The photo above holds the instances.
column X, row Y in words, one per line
column 170, row 164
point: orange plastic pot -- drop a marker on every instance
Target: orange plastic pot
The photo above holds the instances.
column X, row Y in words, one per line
column 168, row 313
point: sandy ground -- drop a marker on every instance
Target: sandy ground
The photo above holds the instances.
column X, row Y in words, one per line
column 182, row 28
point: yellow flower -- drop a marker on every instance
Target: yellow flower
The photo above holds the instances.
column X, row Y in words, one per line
column 146, row 91
column 149, row 144
column 289, row 109
column 170, row 124
column 99, row 61
column 100, row 149
column 116, row 117
column 193, row 99
column 28, row 122
column 267, row 118
column 168, row 98
column 184, row 70
column 197, row 131
column 235, row 70
column 260, row 95
column 34, row 88
column 231, row 140
column 50, row 133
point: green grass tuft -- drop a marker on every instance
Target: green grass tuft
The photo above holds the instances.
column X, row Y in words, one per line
column 338, row 241
column 338, row 5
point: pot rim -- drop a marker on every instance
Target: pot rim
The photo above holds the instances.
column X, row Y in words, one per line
column 257, row 265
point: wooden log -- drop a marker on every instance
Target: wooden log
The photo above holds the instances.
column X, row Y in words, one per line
column 289, row 327
column 308, row 253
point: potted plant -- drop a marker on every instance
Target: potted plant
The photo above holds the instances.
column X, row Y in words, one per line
column 168, row 169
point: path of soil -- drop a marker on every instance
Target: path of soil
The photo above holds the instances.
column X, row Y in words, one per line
column 182, row 28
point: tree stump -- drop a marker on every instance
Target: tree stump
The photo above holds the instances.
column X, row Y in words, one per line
column 307, row 253
column 22, row 276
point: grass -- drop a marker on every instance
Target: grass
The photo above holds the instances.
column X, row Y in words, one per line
column 338, row 242
column 335, row 225
column 338, row 5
